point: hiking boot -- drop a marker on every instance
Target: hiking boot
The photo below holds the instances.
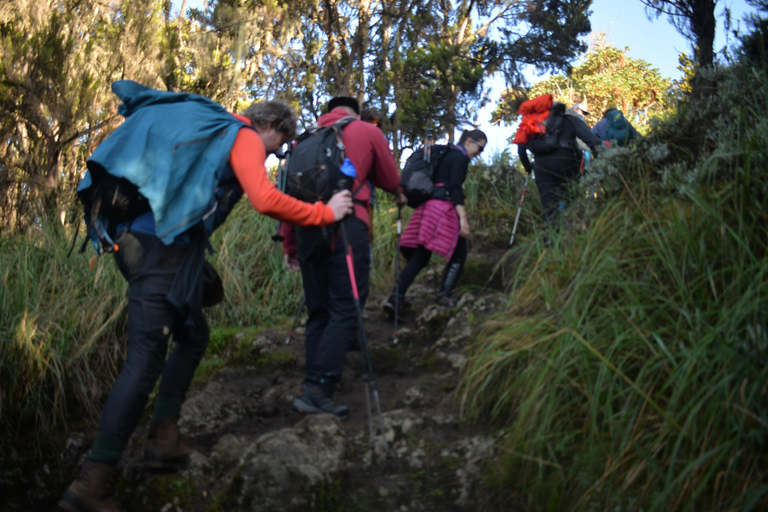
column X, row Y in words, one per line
column 446, row 300
column 91, row 490
column 164, row 447
column 312, row 400
column 389, row 305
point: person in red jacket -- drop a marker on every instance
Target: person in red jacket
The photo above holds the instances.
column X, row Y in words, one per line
column 320, row 255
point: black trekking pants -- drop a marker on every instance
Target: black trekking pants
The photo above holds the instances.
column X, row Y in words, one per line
column 556, row 176
column 332, row 322
column 419, row 258
column 150, row 266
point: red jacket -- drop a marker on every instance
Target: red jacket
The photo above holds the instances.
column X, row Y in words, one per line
column 369, row 150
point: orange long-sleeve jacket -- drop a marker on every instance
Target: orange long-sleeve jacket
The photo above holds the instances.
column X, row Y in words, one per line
column 247, row 161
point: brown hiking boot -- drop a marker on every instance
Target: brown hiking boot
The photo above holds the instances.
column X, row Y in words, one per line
column 164, row 447
column 90, row 491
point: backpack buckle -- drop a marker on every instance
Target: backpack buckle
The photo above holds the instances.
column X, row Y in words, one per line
column 106, row 244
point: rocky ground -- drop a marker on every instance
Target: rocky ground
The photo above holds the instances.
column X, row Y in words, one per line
column 254, row 453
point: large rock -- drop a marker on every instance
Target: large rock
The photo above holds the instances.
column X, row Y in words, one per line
column 212, row 410
column 290, row 469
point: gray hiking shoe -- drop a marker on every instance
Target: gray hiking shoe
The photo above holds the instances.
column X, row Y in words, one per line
column 312, row 400
column 447, row 300
column 389, row 305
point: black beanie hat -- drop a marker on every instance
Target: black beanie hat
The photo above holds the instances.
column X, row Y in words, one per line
column 344, row 101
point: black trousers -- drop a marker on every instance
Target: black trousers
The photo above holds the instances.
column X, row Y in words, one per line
column 150, row 267
column 332, row 322
column 556, row 175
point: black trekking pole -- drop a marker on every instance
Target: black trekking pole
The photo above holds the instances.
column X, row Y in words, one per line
column 370, row 381
column 296, row 320
column 282, row 180
column 397, row 268
column 519, row 209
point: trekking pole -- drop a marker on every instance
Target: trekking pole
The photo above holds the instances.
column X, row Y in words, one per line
column 520, row 208
column 296, row 320
column 397, row 267
column 428, row 146
column 282, row 180
column 370, row 381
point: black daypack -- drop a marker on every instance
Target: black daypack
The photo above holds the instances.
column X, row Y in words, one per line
column 418, row 175
column 108, row 202
column 313, row 172
column 550, row 140
column 115, row 199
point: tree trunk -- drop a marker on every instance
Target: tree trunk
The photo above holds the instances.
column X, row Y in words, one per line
column 703, row 26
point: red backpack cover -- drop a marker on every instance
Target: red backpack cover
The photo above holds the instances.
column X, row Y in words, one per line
column 534, row 112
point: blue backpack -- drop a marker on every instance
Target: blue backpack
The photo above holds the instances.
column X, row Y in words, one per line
column 618, row 130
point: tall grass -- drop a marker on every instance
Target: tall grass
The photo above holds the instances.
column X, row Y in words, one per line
column 57, row 331
column 630, row 372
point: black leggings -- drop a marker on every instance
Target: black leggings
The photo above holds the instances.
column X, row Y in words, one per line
column 420, row 258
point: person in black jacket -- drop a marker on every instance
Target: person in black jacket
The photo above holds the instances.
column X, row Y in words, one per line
column 556, row 171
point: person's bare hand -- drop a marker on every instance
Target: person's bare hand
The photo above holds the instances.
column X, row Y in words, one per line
column 400, row 198
column 292, row 262
column 464, row 231
column 341, row 204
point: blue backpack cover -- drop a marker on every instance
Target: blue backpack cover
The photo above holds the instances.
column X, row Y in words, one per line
column 617, row 130
column 173, row 147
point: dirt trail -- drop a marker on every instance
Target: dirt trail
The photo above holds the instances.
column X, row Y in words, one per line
column 436, row 460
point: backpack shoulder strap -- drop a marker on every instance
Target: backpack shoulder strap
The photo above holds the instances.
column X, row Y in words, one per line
column 344, row 121
column 340, row 124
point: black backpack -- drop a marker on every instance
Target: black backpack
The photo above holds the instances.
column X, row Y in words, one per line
column 549, row 141
column 115, row 199
column 418, row 175
column 108, row 202
column 313, row 172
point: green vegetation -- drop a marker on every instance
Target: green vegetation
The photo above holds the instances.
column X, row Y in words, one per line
column 56, row 342
column 630, row 371
column 607, row 78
